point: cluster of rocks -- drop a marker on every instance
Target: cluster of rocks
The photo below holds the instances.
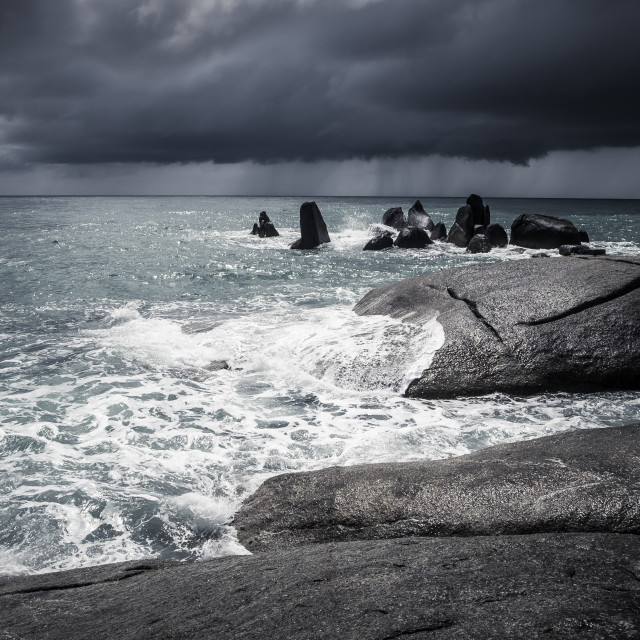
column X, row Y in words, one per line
column 264, row 228
column 474, row 231
column 415, row 231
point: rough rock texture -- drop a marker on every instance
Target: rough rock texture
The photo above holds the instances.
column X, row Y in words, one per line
column 382, row 241
column 519, row 587
column 479, row 244
column 462, row 229
column 394, row 217
column 418, row 217
column 439, row 232
column 524, row 326
column 496, row 235
column 412, row 238
column 543, row 232
column 312, row 227
column 582, row 481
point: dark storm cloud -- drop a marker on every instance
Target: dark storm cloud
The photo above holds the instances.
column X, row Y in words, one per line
column 88, row 81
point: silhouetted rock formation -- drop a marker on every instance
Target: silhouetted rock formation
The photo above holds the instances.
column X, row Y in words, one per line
column 496, row 235
column 412, row 238
column 264, row 228
column 394, row 217
column 439, row 232
column 418, row 217
column 378, row 242
column 535, row 231
column 312, row 227
column 461, row 231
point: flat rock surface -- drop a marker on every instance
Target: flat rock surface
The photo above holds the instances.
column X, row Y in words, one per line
column 586, row 480
column 525, row 326
column 538, row 586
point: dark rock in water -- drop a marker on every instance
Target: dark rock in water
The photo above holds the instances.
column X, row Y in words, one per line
column 478, row 230
column 583, row 235
column 462, row 229
column 541, row 254
column 524, row 326
column 418, row 217
column 580, row 250
column 264, row 228
column 568, row 586
column 394, row 217
column 477, row 207
column 439, row 232
column 377, row 243
column 496, row 235
column 413, row 238
column 543, row 232
column 479, row 244
column 270, row 231
column 312, row 226
column 580, row 481
column 487, row 216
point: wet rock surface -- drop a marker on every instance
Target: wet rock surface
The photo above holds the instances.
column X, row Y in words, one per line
column 524, row 326
column 551, row 586
column 313, row 228
column 535, row 231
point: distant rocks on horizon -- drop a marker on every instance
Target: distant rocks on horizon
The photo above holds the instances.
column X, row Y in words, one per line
column 264, row 228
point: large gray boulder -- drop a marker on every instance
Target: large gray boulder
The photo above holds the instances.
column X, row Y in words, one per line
column 439, row 232
column 496, row 235
column 535, row 231
column 461, row 230
column 582, row 481
column 412, row 238
column 567, row 586
column 312, row 227
column 524, row 326
column 394, row 217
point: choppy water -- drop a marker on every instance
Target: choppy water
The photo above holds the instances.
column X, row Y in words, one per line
column 118, row 441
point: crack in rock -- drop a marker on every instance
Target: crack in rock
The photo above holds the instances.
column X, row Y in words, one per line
column 473, row 307
column 435, row 626
column 589, row 304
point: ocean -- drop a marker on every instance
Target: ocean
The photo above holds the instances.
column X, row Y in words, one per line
column 119, row 436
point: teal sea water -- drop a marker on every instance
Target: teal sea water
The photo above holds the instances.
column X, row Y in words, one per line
column 119, row 440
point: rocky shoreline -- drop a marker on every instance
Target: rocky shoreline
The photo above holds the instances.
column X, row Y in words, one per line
column 524, row 540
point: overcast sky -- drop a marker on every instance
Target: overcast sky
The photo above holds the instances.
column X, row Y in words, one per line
column 346, row 97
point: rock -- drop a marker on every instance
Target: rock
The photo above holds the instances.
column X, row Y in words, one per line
column 478, row 230
column 479, row 244
column 524, row 326
column 394, row 217
column 379, row 242
column 264, row 228
column 439, row 232
column 496, row 235
column 270, row 231
column 583, row 235
column 534, row 231
column 217, row 365
column 256, row 229
column 569, row 586
column 462, row 229
column 580, row 481
column 477, row 207
column 263, row 217
column 487, row 216
column 412, row 238
column 579, row 249
column 418, row 217
column 312, row 226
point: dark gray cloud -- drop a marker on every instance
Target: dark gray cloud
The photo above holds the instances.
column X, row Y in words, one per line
column 165, row 81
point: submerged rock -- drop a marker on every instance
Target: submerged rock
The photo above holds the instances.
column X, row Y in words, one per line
column 581, row 481
column 580, row 250
column 312, row 226
column 382, row 241
column 535, row 231
column 524, row 326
